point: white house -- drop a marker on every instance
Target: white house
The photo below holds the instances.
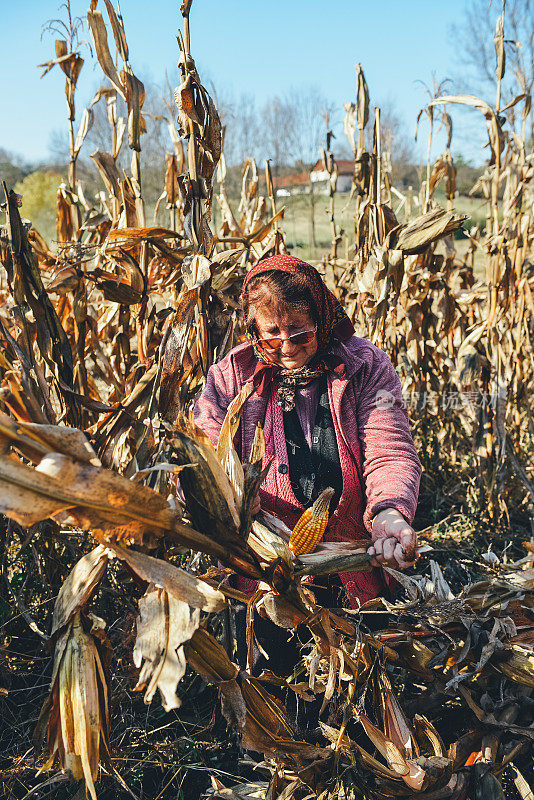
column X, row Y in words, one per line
column 320, row 177
column 299, row 183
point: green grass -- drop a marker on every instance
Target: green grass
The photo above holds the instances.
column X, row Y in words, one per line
column 298, row 229
column 474, row 207
column 297, row 222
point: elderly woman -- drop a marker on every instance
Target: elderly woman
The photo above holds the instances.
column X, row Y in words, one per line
column 331, row 409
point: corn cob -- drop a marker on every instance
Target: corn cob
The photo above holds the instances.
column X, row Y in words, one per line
column 311, row 526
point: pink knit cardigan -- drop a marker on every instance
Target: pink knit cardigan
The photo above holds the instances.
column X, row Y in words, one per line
column 371, row 425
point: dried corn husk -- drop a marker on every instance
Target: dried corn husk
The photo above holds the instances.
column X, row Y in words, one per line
column 519, row 666
column 79, row 714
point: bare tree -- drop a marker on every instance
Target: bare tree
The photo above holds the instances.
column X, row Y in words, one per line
column 242, row 128
column 277, row 121
column 287, row 129
column 394, row 134
column 306, row 108
column 13, row 167
column 473, row 42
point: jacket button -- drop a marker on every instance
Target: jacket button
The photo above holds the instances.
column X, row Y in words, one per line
column 282, row 469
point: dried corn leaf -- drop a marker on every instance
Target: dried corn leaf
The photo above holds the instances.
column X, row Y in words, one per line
column 209, row 658
column 62, row 58
column 86, row 123
column 267, row 727
column 411, row 773
column 225, row 446
column 172, row 190
column 28, row 290
column 187, row 112
column 164, row 624
column 120, row 292
column 99, row 499
column 493, row 124
column 64, row 229
column 26, row 497
column 117, row 26
column 254, row 472
column 135, row 97
column 416, row 236
column 196, row 271
column 99, row 35
column 79, row 587
column 275, row 525
column 395, row 723
column 281, row 611
column 345, row 744
column 425, row 730
column 263, row 230
column 180, row 585
column 108, row 172
column 519, row 666
column 242, row 791
column 376, row 766
column 34, row 441
column 267, row 544
column 209, row 495
column 362, row 98
column 175, row 349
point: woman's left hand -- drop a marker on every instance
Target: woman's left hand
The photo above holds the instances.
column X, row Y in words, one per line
column 394, row 540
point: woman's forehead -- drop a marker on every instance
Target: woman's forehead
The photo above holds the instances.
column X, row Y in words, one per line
column 278, row 314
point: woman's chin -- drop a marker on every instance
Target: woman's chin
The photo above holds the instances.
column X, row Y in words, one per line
column 292, row 363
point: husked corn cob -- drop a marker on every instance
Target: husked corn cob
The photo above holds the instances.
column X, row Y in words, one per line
column 311, row 526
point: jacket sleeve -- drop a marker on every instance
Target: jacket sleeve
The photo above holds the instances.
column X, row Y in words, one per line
column 210, row 408
column 391, row 467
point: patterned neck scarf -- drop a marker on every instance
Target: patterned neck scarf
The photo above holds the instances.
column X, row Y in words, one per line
column 332, row 323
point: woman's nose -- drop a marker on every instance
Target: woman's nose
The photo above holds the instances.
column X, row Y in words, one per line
column 288, row 346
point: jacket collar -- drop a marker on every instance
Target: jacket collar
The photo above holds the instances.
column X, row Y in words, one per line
column 349, row 356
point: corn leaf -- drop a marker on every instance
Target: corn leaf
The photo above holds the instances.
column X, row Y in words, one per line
column 180, row 585
column 164, row 624
column 79, row 587
column 99, row 35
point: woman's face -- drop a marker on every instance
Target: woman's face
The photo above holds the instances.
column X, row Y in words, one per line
column 275, row 319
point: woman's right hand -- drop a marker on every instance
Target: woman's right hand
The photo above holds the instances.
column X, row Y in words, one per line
column 394, row 540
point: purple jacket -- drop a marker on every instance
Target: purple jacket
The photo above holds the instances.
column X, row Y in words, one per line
column 368, row 410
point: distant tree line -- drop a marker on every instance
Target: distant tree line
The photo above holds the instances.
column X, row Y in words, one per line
column 289, row 129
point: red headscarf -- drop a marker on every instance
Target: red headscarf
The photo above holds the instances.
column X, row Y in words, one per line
column 332, row 321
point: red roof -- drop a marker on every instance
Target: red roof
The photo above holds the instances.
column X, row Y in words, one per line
column 344, row 167
column 299, row 179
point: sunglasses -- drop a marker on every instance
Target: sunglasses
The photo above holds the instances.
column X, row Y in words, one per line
column 276, row 342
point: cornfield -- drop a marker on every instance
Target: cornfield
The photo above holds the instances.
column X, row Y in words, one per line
column 114, row 582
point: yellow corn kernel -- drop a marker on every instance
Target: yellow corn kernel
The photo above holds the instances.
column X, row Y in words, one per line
column 311, row 525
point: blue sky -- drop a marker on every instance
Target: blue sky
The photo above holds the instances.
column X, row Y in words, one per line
column 244, row 46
